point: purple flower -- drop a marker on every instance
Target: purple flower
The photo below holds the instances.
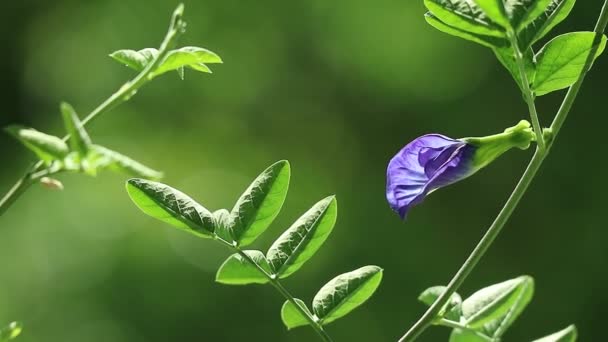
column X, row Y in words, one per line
column 433, row 161
column 424, row 165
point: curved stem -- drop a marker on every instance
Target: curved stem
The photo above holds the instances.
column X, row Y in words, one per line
column 122, row 95
column 272, row 279
column 527, row 91
column 539, row 156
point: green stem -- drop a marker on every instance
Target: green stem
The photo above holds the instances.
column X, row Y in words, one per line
column 123, row 94
column 272, row 279
column 535, row 163
column 455, row 325
column 527, row 91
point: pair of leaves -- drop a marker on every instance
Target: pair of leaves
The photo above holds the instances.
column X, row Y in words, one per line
column 335, row 299
column 252, row 214
column 489, row 22
column 192, row 57
column 289, row 252
column 79, row 154
column 10, row 332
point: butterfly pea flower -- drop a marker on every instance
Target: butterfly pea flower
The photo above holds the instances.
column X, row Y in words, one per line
column 434, row 161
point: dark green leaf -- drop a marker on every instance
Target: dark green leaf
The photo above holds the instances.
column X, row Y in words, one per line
column 238, row 270
column 79, row 139
column 302, row 240
column 10, row 332
column 487, row 41
column 291, row 316
column 463, row 15
column 47, row 147
column 104, row 158
column 346, row 292
column 567, row 335
column 554, row 13
column 260, row 203
column 452, row 309
column 171, row 206
column 560, row 62
column 498, row 303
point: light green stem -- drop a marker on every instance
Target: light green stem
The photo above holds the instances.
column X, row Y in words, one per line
column 274, row 281
column 122, row 95
column 535, row 163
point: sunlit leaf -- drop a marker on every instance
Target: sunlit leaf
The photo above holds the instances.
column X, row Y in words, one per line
column 238, row 270
column 463, row 335
column 104, row 158
column 463, row 15
column 302, row 240
column 487, row 41
column 560, row 62
column 11, row 331
column 495, row 10
column 260, row 203
column 452, row 309
column 567, row 335
column 554, row 13
column 346, row 292
column 136, row 60
column 171, row 206
column 79, row 138
column 291, row 316
column 47, row 147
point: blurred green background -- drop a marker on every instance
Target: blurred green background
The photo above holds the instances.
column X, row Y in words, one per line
column 336, row 87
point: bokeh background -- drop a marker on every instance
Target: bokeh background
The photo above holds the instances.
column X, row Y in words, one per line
column 336, row 87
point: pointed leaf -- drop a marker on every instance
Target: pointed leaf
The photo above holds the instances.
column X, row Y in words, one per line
column 136, row 60
column 567, row 335
column 553, row 14
column 11, row 331
column 560, row 62
column 497, row 327
column 452, row 309
column 487, row 41
column 464, row 15
column 171, row 206
column 46, row 147
column 291, row 316
column 302, row 240
column 462, row 335
column 495, row 10
column 79, row 138
column 523, row 12
column 221, row 218
column 186, row 57
column 260, row 203
column 238, row 270
column 346, row 292
column 495, row 302
column 104, row 158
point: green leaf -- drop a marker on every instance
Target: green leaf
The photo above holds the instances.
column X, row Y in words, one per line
column 513, row 13
column 47, row 147
column 560, row 62
column 238, row 270
column 346, row 292
column 498, row 305
column 260, row 203
column 495, row 10
column 487, row 41
column 221, row 218
column 463, row 335
column 452, row 309
column 567, row 335
column 463, row 15
column 104, row 158
column 291, row 316
column 507, row 58
column 136, row 60
column 11, row 331
column 79, row 139
column 171, row 206
column 302, row 240
column 553, row 14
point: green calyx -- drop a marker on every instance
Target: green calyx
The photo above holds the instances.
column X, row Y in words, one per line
column 493, row 146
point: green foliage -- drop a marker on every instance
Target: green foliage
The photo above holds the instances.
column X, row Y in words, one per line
column 195, row 58
column 291, row 316
column 561, row 61
column 242, row 270
column 10, row 332
column 79, row 138
column 453, row 308
column 46, row 147
column 260, row 203
column 345, row 293
column 171, row 206
column 302, row 240
column 555, row 12
column 567, row 335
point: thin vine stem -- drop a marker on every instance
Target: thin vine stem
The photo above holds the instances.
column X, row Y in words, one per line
column 535, row 163
column 272, row 279
column 126, row 91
